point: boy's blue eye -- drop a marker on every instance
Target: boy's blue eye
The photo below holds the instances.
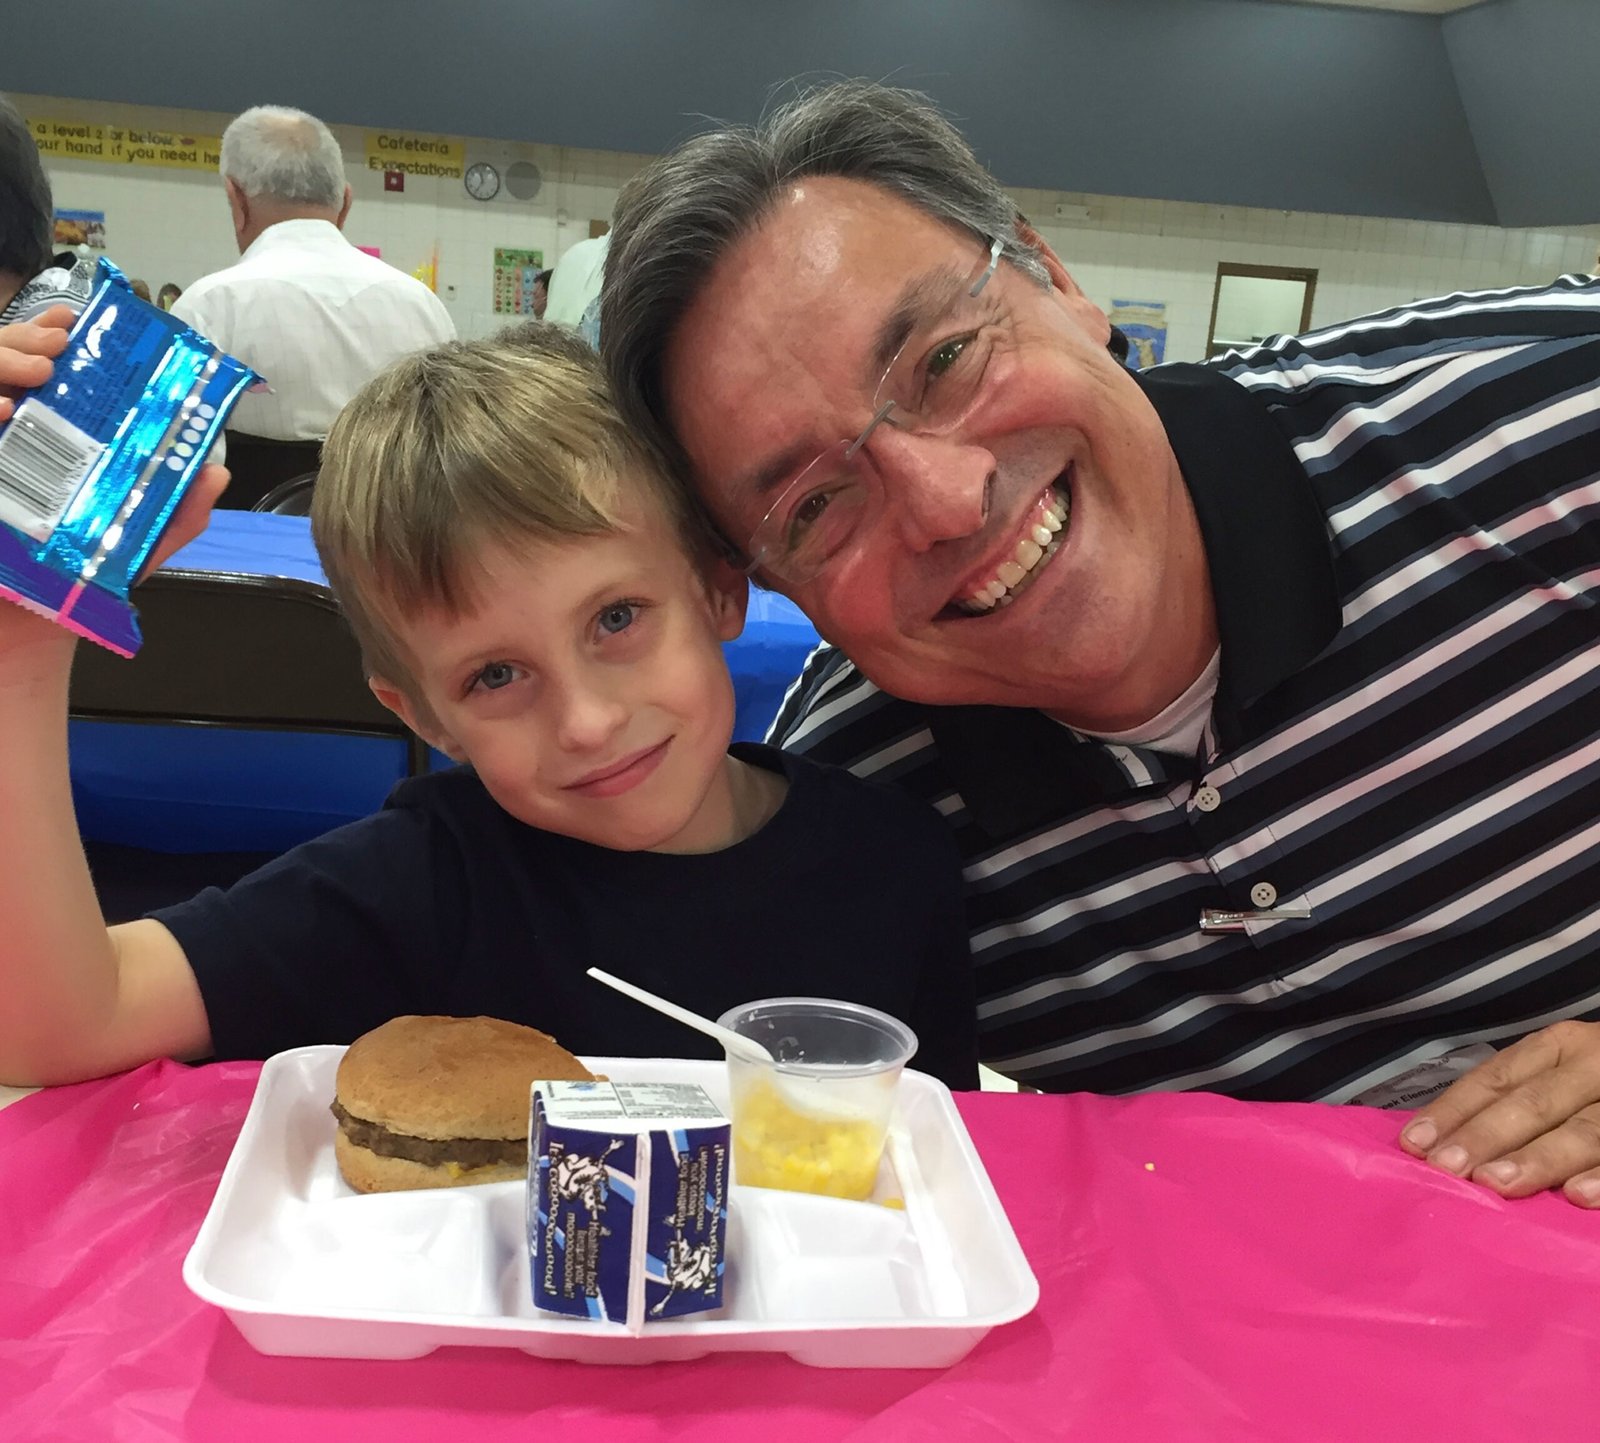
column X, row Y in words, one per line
column 496, row 675
column 616, row 617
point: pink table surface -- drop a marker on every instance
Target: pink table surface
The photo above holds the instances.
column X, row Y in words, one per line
column 1209, row 1270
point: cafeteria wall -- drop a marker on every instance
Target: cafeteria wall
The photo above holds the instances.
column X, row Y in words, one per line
column 173, row 225
column 1309, row 107
column 1525, row 69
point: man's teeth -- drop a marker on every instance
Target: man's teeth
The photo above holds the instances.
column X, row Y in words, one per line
column 1041, row 541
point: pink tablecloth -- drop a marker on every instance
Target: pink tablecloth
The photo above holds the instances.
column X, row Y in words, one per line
column 1210, row 1270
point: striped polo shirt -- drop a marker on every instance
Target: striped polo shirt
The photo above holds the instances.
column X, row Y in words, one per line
column 1402, row 522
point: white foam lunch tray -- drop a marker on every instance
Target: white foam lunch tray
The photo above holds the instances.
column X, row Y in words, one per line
column 307, row 1267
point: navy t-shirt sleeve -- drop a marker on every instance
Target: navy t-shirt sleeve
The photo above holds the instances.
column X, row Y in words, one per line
column 946, row 1010
column 890, row 897
column 325, row 942
column 944, row 1015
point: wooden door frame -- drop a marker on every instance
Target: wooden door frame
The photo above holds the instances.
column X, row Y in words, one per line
column 1308, row 275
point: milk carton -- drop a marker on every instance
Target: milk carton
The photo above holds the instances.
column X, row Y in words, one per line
column 627, row 1209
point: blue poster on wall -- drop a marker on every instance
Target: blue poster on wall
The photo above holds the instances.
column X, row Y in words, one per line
column 1144, row 323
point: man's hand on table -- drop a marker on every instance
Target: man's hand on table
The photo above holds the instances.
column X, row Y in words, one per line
column 1526, row 1120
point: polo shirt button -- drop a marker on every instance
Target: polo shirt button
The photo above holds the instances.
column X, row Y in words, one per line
column 1208, row 799
column 1263, row 894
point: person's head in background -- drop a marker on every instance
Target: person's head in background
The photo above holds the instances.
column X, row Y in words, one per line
column 281, row 164
column 541, row 294
column 532, row 594
column 26, row 210
column 167, row 295
column 140, row 288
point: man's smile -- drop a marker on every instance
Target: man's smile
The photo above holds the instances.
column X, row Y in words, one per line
column 1038, row 538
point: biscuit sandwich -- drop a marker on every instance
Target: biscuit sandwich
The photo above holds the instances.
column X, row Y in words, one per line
column 441, row 1101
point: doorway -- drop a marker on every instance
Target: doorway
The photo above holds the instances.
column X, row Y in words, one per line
column 1251, row 303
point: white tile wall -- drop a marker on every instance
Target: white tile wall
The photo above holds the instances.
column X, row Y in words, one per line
column 173, row 225
column 1169, row 251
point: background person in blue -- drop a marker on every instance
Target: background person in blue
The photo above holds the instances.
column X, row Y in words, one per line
column 1260, row 695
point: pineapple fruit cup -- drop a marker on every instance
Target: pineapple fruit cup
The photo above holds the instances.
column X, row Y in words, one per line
column 814, row 1119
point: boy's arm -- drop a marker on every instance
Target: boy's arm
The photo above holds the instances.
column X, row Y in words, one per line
column 76, row 999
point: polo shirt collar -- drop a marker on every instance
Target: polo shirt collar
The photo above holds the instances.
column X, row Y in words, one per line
column 1272, row 582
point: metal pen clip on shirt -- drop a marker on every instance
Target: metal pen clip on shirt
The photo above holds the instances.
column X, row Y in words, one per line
column 1217, row 920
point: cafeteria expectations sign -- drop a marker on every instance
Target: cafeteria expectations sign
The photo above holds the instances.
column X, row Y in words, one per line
column 126, row 145
column 415, row 154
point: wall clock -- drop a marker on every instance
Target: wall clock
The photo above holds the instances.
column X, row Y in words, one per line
column 482, row 181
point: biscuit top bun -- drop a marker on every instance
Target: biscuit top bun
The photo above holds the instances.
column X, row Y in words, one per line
column 450, row 1077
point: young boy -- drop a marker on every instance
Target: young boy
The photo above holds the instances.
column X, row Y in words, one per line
column 534, row 597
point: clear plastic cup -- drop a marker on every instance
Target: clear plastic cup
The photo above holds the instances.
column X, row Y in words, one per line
column 814, row 1119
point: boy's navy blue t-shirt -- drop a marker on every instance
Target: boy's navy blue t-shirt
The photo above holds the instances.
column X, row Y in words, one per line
column 443, row 903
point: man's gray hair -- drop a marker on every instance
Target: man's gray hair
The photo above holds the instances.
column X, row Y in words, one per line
column 680, row 215
column 285, row 155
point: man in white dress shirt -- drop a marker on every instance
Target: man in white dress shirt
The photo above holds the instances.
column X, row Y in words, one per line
column 303, row 307
column 575, row 281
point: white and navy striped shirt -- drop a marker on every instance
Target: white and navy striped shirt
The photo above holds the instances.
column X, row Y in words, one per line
column 1402, row 521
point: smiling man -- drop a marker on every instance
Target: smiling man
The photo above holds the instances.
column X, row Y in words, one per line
column 995, row 410
column 1260, row 695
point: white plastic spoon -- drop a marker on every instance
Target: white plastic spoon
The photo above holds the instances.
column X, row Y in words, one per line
column 745, row 1047
column 804, row 1093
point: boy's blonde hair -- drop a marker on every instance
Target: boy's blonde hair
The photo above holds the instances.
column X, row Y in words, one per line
column 468, row 444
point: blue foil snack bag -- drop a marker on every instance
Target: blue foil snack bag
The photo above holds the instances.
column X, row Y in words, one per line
column 627, row 1204
column 94, row 462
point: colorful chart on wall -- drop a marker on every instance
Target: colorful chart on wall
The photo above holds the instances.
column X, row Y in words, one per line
column 1144, row 323
column 514, row 272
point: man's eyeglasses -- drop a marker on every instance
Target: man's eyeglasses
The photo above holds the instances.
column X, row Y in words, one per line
column 930, row 387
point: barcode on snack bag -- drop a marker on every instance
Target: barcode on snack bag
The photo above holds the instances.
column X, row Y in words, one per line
column 43, row 461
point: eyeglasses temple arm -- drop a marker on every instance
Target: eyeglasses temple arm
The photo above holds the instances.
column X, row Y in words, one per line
column 996, row 248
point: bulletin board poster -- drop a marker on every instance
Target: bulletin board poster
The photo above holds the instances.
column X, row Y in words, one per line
column 514, row 271
column 1144, row 323
column 74, row 228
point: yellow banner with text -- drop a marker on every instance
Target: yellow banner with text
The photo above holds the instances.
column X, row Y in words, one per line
column 125, row 145
column 415, row 154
